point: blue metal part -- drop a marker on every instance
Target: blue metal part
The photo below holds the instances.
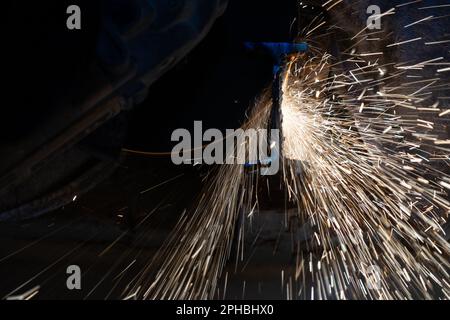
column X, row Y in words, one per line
column 278, row 50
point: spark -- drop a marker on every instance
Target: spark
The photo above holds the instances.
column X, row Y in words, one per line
column 27, row 295
column 444, row 113
column 419, row 21
column 367, row 183
column 437, row 42
column 403, row 42
column 408, row 3
column 435, row 7
column 444, row 69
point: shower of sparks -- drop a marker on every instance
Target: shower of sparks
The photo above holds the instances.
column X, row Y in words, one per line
column 365, row 164
column 365, row 184
column 196, row 253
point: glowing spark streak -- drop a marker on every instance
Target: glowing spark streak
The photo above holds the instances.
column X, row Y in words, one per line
column 419, row 21
column 437, row 42
column 403, row 42
column 444, row 70
column 444, row 113
column 407, row 3
column 435, row 7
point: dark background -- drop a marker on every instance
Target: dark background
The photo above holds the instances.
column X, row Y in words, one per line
column 216, row 83
column 219, row 80
column 43, row 63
